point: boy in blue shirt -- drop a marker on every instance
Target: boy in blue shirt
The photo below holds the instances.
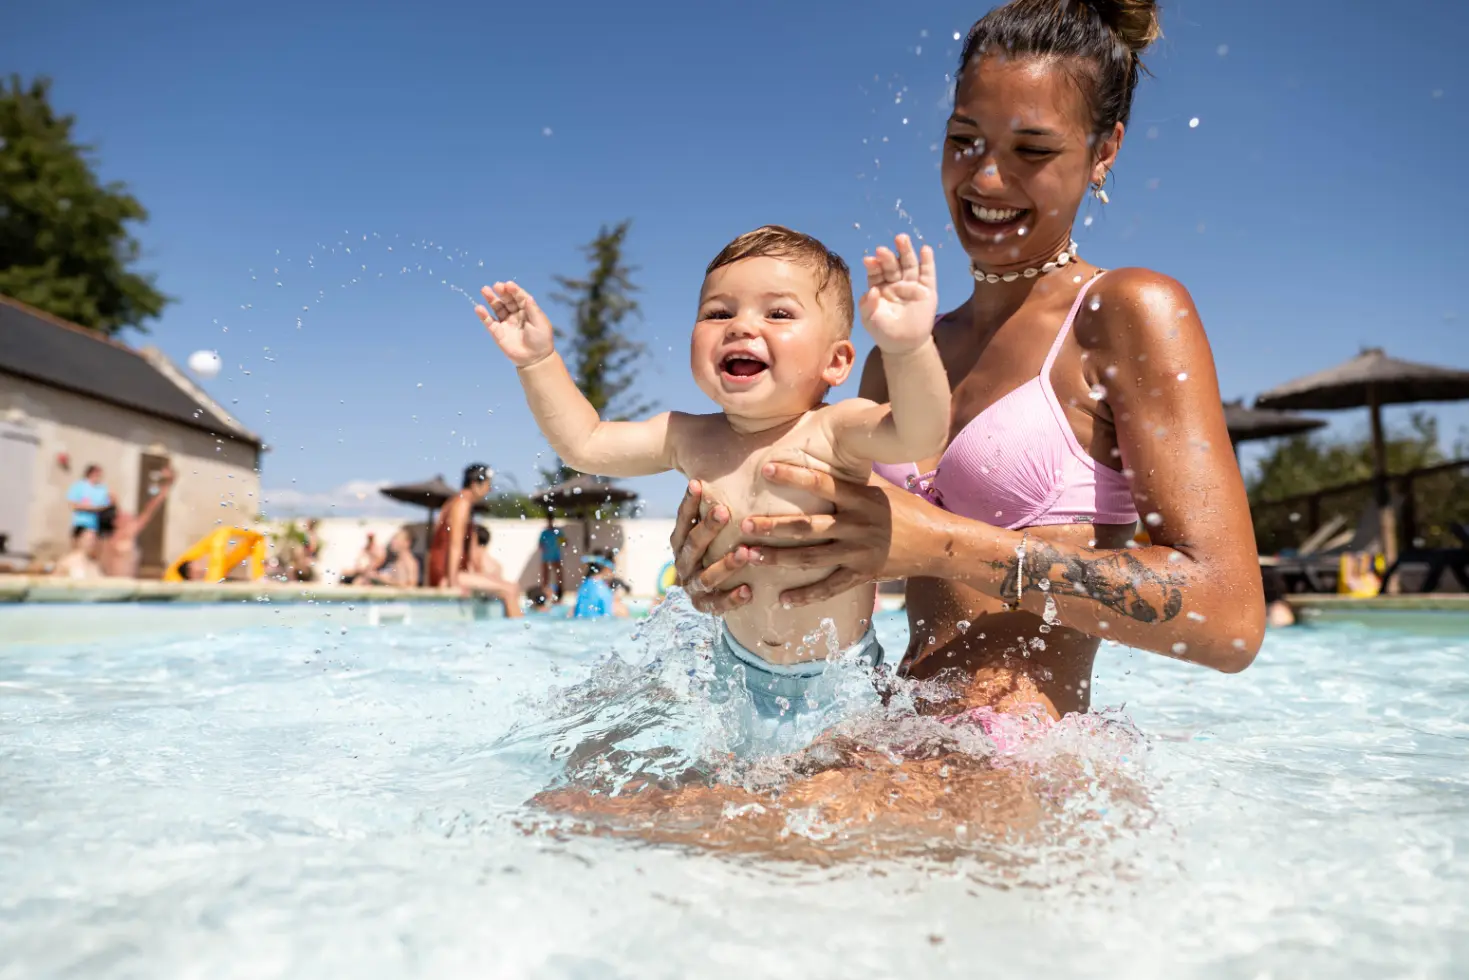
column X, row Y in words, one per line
column 595, row 599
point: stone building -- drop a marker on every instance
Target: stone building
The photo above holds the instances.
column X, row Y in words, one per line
column 70, row 397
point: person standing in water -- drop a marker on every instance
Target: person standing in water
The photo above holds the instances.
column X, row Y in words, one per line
column 1083, row 398
column 448, row 550
column 550, row 543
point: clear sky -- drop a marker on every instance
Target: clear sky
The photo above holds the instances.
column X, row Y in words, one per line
column 1318, row 205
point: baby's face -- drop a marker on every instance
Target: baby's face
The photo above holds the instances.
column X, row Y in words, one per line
column 765, row 345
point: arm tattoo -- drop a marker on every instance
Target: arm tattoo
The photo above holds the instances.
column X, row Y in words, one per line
column 1116, row 579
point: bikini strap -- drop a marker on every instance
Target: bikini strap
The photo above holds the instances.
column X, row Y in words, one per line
column 1066, row 327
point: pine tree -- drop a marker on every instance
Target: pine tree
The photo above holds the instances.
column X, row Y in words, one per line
column 600, row 354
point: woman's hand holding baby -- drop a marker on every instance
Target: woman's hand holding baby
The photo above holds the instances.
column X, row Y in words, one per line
column 902, row 297
column 523, row 332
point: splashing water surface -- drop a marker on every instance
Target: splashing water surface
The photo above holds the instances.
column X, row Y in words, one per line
column 553, row 799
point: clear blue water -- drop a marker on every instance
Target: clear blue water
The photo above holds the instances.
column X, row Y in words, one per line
column 313, row 802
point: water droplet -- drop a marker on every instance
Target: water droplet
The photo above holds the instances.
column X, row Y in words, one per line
column 1097, row 393
column 546, row 131
column 1154, row 519
column 1096, row 303
column 1222, row 50
column 956, row 35
column 1239, row 644
column 1180, row 648
column 1087, row 221
column 1198, row 617
column 1193, row 123
column 963, row 625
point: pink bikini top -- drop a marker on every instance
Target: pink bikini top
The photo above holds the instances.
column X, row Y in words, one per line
column 1018, row 463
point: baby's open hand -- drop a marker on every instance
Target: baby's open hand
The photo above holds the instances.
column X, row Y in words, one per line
column 518, row 325
column 902, row 297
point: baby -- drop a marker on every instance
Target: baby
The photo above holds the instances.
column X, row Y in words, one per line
column 772, row 337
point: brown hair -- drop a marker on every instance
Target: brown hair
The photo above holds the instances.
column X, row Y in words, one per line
column 774, row 241
column 1104, row 38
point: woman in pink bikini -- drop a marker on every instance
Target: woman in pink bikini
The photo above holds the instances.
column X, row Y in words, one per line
column 1083, row 400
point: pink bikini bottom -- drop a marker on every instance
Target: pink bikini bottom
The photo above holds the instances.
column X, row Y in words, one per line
column 1007, row 730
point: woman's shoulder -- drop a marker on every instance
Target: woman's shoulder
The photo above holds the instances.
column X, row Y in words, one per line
column 1134, row 284
column 1135, row 308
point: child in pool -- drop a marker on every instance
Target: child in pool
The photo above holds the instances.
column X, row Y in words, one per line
column 772, row 337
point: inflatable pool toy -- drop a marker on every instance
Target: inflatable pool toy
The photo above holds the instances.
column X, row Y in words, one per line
column 667, row 579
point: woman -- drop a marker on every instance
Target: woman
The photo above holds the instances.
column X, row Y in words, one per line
column 399, row 568
column 1083, row 398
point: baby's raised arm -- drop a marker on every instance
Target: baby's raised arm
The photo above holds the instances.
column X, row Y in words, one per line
column 898, row 310
column 568, row 421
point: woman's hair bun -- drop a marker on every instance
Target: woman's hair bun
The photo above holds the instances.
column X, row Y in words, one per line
column 1135, row 22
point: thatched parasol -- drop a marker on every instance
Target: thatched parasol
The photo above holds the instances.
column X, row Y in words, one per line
column 1371, row 380
column 1251, row 424
column 431, row 494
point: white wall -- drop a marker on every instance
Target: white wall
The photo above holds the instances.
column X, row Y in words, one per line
column 216, row 483
column 643, row 547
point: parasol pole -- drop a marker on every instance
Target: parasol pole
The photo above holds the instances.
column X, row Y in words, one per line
column 1387, row 519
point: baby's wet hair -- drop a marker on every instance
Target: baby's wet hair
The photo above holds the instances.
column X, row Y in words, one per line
column 778, row 242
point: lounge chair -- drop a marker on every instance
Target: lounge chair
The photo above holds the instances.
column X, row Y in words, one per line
column 1317, row 569
column 1455, row 560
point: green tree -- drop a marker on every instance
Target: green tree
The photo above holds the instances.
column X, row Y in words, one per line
column 65, row 246
column 599, row 352
column 514, row 504
column 1306, row 465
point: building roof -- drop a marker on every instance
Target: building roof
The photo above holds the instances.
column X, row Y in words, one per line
column 42, row 348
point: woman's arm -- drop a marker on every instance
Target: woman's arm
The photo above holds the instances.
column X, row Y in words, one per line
column 1193, row 593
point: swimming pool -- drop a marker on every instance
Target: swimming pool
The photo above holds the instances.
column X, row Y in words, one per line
column 350, row 801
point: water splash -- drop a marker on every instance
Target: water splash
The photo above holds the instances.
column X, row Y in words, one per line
column 652, row 747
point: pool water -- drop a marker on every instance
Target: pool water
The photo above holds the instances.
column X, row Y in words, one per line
column 353, row 802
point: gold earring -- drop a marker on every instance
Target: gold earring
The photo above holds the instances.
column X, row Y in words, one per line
column 1099, row 187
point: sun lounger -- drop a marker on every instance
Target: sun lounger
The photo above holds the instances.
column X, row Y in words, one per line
column 1438, row 560
column 1317, row 569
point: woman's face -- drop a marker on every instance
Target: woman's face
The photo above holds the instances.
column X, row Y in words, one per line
column 1018, row 157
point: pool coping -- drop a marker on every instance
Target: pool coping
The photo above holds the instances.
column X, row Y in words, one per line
column 40, row 589
column 1447, row 602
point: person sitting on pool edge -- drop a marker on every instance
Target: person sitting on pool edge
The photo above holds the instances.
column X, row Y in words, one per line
column 449, row 542
column 597, row 597
column 771, row 338
column 485, row 576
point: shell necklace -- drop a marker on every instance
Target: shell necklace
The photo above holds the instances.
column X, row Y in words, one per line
column 1067, row 256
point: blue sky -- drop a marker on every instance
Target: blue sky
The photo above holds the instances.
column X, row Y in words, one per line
column 1318, row 206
